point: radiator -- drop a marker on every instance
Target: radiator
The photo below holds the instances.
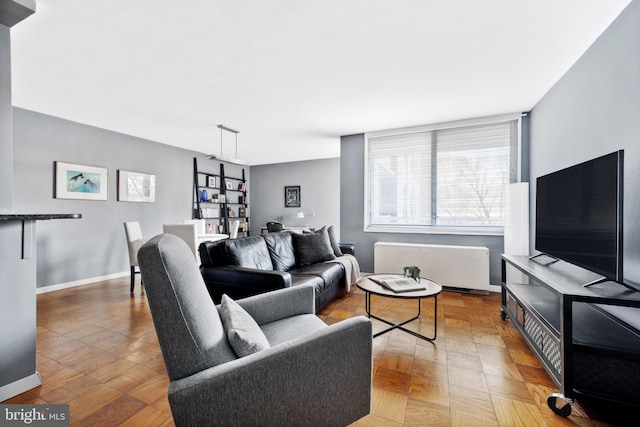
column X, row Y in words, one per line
column 464, row 267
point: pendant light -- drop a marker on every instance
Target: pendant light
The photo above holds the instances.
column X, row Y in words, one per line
column 235, row 160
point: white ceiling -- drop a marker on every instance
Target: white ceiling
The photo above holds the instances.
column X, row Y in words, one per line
column 293, row 76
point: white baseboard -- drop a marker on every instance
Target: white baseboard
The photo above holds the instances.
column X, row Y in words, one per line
column 75, row 283
column 18, row 387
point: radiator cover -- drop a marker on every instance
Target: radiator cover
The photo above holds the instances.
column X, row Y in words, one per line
column 465, row 267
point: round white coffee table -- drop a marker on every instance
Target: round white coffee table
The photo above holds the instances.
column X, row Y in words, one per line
column 432, row 288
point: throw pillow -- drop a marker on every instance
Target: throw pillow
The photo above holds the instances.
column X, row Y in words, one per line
column 334, row 242
column 312, row 248
column 243, row 333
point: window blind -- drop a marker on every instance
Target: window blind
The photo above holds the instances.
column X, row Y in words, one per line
column 452, row 177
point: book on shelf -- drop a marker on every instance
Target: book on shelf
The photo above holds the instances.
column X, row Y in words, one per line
column 398, row 284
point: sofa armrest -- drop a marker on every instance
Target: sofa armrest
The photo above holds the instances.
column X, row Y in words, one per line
column 347, row 248
column 240, row 282
column 280, row 304
column 320, row 379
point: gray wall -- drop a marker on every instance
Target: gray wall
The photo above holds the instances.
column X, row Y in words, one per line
column 594, row 110
column 17, row 275
column 352, row 216
column 320, row 185
column 6, row 141
column 95, row 246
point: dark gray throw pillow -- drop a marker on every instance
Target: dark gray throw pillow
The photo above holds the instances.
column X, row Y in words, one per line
column 334, row 242
column 312, row 248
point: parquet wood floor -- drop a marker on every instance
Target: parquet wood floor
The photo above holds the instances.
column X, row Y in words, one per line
column 97, row 350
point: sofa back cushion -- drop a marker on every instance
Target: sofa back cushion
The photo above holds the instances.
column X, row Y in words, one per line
column 312, row 248
column 280, row 247
column 249, row 252
column 213, row 254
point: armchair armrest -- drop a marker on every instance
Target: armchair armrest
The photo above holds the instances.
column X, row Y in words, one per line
column 320, row 379
column 280, row 304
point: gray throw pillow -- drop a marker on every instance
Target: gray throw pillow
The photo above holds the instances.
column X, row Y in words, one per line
column 243, row 333
column 334, row 242
column 312, row 248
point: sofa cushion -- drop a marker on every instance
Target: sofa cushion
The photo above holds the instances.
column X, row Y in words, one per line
column 312, row 248
column 334, row 242
column 243, row 333
column 308, row 279
column 249, row 252
column 329, row 272
column 280, row 247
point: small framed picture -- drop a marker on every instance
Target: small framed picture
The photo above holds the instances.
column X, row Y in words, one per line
column 80, row 182
column 211, row 181
column 229, row 185
column 223, row 198
column 292, row 196
column 136, row 187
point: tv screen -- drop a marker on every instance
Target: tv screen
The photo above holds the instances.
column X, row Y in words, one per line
column 579, row 215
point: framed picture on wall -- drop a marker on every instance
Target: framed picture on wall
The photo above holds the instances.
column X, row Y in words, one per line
column 292, row 196
column 80, row 182
column 211, row 181
column 136, row 187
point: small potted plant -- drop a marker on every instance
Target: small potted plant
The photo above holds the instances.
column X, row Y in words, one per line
column 412, row 271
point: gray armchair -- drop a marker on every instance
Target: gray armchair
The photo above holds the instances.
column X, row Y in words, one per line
column 312, row 374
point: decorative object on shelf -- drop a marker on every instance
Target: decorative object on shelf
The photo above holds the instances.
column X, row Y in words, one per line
column 224, row 159
column 229, row 185
column 300, row 214
column 242, row 186
column 204, row 196
column 211, row 181
column 222, row 198
column 292, row 196
column 136, row 187
column 412, row 271
column 80, row 182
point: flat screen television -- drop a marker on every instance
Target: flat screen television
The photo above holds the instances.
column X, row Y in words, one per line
column 579, row 215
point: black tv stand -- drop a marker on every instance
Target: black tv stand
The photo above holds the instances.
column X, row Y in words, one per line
column 587, row 338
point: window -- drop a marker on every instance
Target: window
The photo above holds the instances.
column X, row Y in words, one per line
column 440, row 179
